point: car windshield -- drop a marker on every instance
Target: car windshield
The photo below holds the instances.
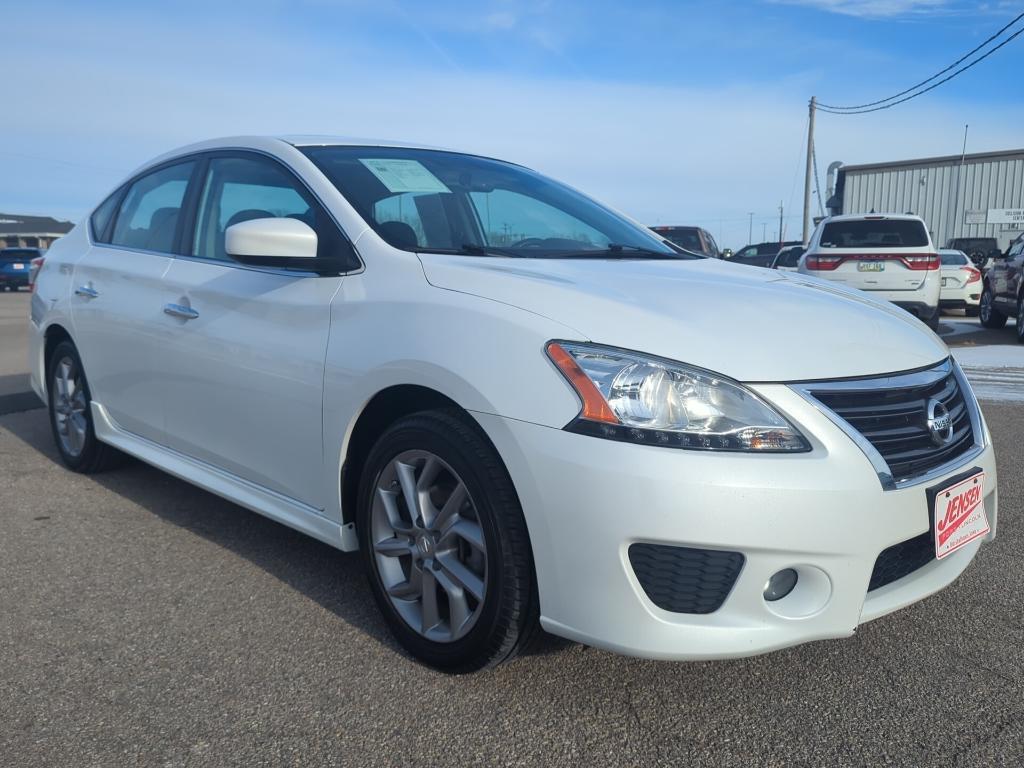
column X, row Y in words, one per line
column 874, row 233
column 429, row 200
column 952, row 259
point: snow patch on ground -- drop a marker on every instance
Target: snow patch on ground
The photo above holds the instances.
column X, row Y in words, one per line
column 995, row 372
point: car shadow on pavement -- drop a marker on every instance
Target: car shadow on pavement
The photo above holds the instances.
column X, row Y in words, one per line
column 334, row 579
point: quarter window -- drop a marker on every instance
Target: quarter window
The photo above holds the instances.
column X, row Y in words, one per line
column 101, row 217
column 148, row 217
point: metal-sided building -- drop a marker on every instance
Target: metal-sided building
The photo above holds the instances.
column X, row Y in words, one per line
column 979, row 195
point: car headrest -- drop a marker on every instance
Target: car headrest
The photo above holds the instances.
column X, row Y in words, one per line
column 399, row 234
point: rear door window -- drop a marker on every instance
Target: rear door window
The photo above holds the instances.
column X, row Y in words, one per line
column 790, row 257
column 148, row 218
column 952, row 259
column 874, row 233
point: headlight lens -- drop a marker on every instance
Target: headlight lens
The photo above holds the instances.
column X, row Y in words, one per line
column 628, row 396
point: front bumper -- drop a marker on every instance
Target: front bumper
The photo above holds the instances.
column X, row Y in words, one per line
column 586, row 500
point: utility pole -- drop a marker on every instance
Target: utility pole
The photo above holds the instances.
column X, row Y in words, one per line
column 956, row 194
column 780, row 223
column 764, row 231
column 750, row 228
column 808, row 172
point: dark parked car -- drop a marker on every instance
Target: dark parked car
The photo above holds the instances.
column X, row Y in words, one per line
column 692, row 239
column 761, row 254
column 978, row 249
column 1002, row 294
column 15, row 266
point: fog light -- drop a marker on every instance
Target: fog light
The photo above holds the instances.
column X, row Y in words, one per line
column 780, row 585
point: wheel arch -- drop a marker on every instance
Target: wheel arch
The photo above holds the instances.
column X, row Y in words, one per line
column 381, row 411
column 54, row 334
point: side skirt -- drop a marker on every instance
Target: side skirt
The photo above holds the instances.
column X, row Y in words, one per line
column 276, row 506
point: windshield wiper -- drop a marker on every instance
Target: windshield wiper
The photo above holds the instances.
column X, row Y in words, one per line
column 472, row 249
column 620, row 251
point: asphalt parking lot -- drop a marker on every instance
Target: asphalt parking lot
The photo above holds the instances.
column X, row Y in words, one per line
column 146, row 622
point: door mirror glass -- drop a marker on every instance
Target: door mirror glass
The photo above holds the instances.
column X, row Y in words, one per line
column 271, row 242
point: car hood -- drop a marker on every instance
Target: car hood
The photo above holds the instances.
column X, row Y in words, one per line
column 752, row 324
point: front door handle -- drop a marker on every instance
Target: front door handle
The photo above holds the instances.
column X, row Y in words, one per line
column 180, row 310
column 87, row 291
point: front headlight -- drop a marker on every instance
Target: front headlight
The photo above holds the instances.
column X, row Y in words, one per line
column 636, row 398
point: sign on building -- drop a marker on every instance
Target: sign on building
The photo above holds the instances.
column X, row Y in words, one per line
column 1006, row 216
column 975, row 217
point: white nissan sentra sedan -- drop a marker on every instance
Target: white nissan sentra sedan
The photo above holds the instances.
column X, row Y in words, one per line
column 526, row 410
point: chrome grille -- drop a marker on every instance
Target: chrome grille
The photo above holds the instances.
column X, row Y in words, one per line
column 891, row 415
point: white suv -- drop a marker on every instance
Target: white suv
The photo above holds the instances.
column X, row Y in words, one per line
column 889, row 255
column 523, row 408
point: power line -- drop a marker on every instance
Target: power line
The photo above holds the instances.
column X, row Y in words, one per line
column 946, row 79
column 925, row 82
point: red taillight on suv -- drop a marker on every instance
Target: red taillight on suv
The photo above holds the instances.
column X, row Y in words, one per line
column 823, row 261
column 973, row 274
column 915, row 261
column 921, row 261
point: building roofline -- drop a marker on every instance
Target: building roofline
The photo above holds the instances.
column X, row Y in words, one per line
column 941, row 160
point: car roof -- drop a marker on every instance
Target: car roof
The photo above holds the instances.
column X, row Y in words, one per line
column 274, row 144
column 952, row 252
column 863, row 216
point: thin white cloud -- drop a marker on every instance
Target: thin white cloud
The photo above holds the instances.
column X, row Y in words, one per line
column 873, row 9
column 702, row 154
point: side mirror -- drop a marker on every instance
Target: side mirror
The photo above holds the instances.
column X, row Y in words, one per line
column 277, row 242
column 726, row 254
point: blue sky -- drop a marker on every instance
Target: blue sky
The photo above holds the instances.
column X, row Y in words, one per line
column 674, row 112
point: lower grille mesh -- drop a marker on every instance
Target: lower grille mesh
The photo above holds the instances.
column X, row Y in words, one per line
column 683, row 579
column 902, row 560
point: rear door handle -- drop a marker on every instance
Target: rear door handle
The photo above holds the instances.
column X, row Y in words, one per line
column 87, row 291
column 180, row 310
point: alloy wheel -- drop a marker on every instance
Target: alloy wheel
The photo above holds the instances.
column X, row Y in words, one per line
column 985, row 308
column 69, row 406
column 1020, row 319
column 428, row 546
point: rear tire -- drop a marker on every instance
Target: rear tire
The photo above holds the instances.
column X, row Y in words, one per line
column 988, row 314
column 424, row 577
column 70, row 406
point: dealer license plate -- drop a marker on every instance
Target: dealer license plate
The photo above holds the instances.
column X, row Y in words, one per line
column 870, row 266
column 19, row 266
column 959, row 514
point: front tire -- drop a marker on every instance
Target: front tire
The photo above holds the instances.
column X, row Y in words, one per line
column 988, row 314
column 445, row 545
column 1020, row 320
column 71, row 414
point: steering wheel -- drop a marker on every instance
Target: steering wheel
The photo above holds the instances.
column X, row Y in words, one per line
column 529, row 242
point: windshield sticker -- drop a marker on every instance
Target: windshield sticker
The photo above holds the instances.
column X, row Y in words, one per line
column 404, row 176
